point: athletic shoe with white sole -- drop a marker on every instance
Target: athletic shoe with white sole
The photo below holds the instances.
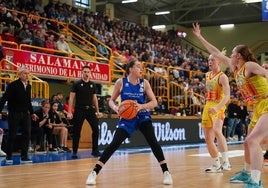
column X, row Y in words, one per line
column 226, row 166
column 91, row 179
column 167, row 178
column 241, row 177
column 2, row 153
column 214, row 169
column 251, row 184
column 9, row 160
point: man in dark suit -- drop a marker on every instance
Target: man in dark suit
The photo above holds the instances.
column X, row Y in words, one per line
column 18, row 96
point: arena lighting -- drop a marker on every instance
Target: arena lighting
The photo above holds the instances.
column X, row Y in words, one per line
column 159, row 27
column 227, row 26
column 252, row 1
column 129, row 1
column 162, row 13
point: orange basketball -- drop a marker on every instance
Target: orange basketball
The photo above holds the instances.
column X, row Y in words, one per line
column 127, row 109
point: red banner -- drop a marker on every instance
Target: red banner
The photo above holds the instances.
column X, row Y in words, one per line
column 57, row 67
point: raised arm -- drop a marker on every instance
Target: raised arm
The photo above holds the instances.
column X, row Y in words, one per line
column 211, row 49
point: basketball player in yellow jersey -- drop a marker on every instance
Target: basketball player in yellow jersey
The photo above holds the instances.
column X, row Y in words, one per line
column 217, row 95
column 252, row 82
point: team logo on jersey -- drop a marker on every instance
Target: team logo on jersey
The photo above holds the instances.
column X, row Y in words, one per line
column 142, row 87
column 91, row 86
column 126, row 85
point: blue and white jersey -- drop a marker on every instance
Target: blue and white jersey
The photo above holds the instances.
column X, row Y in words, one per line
column 134, row 92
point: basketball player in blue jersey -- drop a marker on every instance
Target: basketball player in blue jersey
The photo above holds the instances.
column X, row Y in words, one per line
column 133, row 87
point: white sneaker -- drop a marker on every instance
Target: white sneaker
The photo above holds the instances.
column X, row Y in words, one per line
column 91, row 179
column 2, row 153
column 214, row 169
column 226, row 166
column 9, row 161
column 167, row 178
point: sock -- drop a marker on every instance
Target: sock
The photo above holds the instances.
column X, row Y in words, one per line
column 256, row 176
column 97, row 168
column 216, row 161
column 164, row 167
column 1, row 138
column 225, row 157
column 246, row 167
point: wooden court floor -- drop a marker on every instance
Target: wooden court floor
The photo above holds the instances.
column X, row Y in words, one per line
column 127, row 171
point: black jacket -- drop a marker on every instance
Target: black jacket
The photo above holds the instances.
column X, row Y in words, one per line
column 19, row 99
column 233, row 110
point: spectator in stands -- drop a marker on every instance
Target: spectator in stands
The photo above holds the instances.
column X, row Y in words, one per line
column 25, row 35
column 106, row 107
column 42, row 26
column 232, row 111
column 50, row 43
column 63, row 46
column 38, row 39
column 29, row 5
column 43, row 121
column 37, row 131
column 53, row 98
column 15, row 23
column 5, row 20
column 241, row 115
column 59, row 127
column 126, row 55
column 103, row 50
column 39, row 7
column 118, row 57
column 59, row 101
column 20, row 110
column 161, row 107
column 2, row 153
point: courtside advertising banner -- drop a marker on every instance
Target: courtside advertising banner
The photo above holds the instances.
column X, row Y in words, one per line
column 56, row 67
column 167, row 132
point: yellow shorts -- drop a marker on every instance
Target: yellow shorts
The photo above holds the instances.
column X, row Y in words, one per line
column 207, row 118
column 260, row 108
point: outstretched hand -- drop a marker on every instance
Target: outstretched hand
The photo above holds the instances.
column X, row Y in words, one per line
column 196, row 29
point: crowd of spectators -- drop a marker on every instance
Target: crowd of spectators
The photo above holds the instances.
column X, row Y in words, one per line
column 125, row 39
column 51, row 126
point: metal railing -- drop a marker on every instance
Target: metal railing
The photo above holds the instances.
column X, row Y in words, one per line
column 8, row 73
